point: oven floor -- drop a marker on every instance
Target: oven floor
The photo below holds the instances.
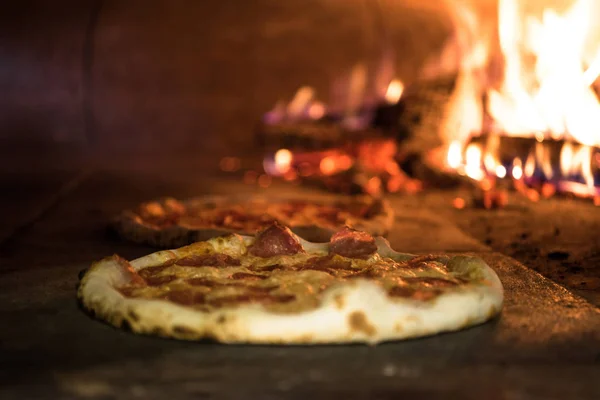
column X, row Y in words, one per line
column 546, row 343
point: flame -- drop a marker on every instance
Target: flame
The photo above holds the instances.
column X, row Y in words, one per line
column 283, row 160
column 546, row 87
column 500, row 171
column 300, row 102
column 316, row 110
column 473, row 162
column 454, row 158
column 577, row 161
column 327, row 165
column 278, row 164
column 517, row 169
column 549, row 56
column 394, row 91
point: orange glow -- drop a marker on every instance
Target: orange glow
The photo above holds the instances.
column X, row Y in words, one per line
column 327, row 166
column 413, row 186
column 577, row 160
column 454, row 158
column 264, row 181
column 486, row 184
column 548, row 190
column 473, row 162
column 459, row 203
column 373, row 186
column 500, row 171
column 316, row 110
column 290, row 175
column 344, row 162
column 283, row 160
column 395, row 183
column 517, row 169
column 394, row 91
column 529, row 169
column 300, row 102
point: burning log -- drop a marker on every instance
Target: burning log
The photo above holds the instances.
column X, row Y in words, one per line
column 542, row 160
column 423, row 110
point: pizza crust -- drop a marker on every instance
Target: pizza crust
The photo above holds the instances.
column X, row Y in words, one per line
column 131, row 226
column 356, row 311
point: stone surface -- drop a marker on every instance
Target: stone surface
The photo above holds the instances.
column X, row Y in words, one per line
column 546, row 343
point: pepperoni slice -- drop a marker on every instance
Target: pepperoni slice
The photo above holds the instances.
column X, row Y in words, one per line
column 247, row 276
column 329, row 264
column 352, row 244
column 208, row 260
column 160, row 280
column 267, row 268
column 128, row 270
column 203, row 282
column 367, row 273
column 151, row 271
column 276, row 240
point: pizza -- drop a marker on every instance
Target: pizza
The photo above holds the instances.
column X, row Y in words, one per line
column 275, row 287
column 170, row 223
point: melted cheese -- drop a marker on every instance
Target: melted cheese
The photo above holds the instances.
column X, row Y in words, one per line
column 295, row 286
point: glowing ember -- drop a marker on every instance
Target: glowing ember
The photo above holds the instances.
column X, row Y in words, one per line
column 300, row 102
column 327, row 166
column 283, row 160
column 316, row 110
column 577, row 160
column 517, row 169
column 500, row 171
column 454, row 158
column 264, row 181
column 373, row 186
column 459, row 203
column 230, row 164
column 394, row 91
column 473, row 162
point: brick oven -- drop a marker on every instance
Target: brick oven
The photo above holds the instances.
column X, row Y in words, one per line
column 479, row 121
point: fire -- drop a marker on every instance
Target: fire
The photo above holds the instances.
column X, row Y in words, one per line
column 316, row 110
column 280, row 164
column 577, row 160
column 549, row 56
column 283, row 160
column 517, row 169
column 454, row 158
column 500, row 171
column 327, row 165
column 394, row 91
column 473, row 162
column 303, row 106
column 552, row 94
